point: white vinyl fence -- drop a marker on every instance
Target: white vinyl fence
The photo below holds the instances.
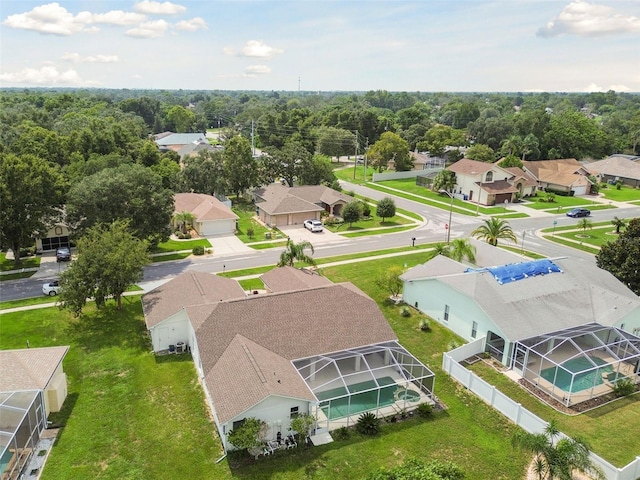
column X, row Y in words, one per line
column 513, row 410
column 381, row 177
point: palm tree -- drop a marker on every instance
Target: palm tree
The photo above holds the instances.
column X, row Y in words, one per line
column 556, row 459
column 184, row 219
column 295, row 252
column 493, row 230
column 585, row 224
column 461, row 248
column 618, row 223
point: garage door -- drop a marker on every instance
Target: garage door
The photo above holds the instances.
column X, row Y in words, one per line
column 501, row 197
column 299, row 218
column 219, row 227
column 582, row 190
column 281, row 220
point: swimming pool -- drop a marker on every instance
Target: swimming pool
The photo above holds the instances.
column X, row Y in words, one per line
column 361, row 402
column 575, row 368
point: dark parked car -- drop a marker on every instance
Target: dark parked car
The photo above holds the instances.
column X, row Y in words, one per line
column 578, row 212
column 63, row 254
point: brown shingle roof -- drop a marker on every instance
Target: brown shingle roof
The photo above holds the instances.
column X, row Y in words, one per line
column 278, row 199
column 188, row 289
column 616, row 167
column 204, row 207
column 285, row 326
column 466, row 166
column 287, row 279
column 30, row 368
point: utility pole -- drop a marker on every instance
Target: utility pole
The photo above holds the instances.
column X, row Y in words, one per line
column 366, row 153
column 253, row 143
column 355, row 161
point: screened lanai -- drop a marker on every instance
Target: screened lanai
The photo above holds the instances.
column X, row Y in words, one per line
column 579, row 363
column 384, row 379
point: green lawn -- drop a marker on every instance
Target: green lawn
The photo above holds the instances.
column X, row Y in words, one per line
column 246, row 211
column 8, row 265
column 172, row 245
column 251, row 284
column 625, row 194
column 371, row 222
column 560, row 203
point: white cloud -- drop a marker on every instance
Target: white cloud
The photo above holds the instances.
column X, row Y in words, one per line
column 157, row 8
column 77, row 58
column 254, row 70
column 50, row 18
column 256, row 48
column 117, row 17
column 48, row 75
column 192, row 25
column 154, row 29
column 592, row 87
column 588, row 19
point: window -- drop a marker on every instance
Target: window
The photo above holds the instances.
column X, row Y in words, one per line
column 238, row 424
column 446, row 313
column 474, row 329
column 294, row 412
column 488, row 177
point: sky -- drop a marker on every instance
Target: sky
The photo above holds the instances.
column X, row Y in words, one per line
column 317, row 45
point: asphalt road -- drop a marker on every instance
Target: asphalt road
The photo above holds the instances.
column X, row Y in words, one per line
column 433, row 230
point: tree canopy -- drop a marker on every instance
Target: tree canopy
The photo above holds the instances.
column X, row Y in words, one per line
column 31, row 199
column 494, row 229
column 110, row 260
column 391, row 147
column 294, row 252
column 386, row 208
column 622, row 256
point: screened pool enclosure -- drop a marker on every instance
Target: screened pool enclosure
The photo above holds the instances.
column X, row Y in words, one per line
column 579, row 363
column 383, row 379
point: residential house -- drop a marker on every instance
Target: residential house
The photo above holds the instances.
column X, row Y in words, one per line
column 617, row 167
column 278, row 205
column 212, row 217
column 563, row 175
column 184, row 144
column 510, row 304
column 57, row 236
column 32, row 385
column 490, row 184
column 324, row 349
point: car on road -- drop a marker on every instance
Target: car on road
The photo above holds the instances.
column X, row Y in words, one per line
column 52, row 288
column 578, row 212
column 63, row 254
column 313, row 225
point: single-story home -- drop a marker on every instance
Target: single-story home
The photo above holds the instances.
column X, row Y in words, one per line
column 57, row 236
column 324, row 350
column 562, row 175
column 212, row 217
column 617, row 167
column 490, row 184
column 279, row 205
column 513, row 304
column 184, row 144
column 32, row 385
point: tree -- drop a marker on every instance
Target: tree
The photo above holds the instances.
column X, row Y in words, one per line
column 481, row 153
column 316, row 172
column 510, row 161
column 391, row 147
column 618, row 223
column 444, row 180
column 622, row 256
column 352, row 212
column 493, row 230
column 438, row 137
column 366, row 209
column 204, row 173
column 289, row 162
column 334, row 142
column 110, row 260
column 461, row 248
column 184, row 219
column 390, row 281
column 180, row 119
column 585, row 224
column 414, row 469
column 128, row 192
column 556, row 459
column 294, row 252
column 249, row 434
column 302, row 424
column 386, row 208
column 241, row 169
column 31, row 199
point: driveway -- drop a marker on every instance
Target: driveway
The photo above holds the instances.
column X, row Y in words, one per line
column 298, row 233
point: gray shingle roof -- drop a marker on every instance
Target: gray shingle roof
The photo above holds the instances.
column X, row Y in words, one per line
column 30, row 368
column 286, row 279
column 616, row 166
column 204, row 207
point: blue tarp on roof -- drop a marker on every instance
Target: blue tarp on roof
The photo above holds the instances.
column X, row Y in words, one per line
column 517, row 271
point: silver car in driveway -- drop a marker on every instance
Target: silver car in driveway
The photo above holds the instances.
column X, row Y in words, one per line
column 313, row 225
column 52, row 288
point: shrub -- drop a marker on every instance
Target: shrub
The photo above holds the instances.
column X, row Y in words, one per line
column 250, row 232
column 366, row 209
column 619, row 185
column 199, row 250
column 368, row 424
column 341, row 433
column 452, row 345
column 425, row 410
column 333, row 221
column 624, row 387
column 351, row 193
column 405, row 312
column 425, row 325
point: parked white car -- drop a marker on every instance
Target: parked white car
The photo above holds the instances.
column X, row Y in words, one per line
column 313, row 225
column 51, row 288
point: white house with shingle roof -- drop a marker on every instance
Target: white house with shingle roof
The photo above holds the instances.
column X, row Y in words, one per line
column 278, row 205
column 563, row 175
column 277, row 355
column 212, row 217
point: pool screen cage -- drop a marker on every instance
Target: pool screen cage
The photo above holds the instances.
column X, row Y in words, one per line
column 383, row 379
column 579, row 363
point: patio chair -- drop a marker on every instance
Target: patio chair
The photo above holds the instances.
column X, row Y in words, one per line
column 172, row 349
column 290, row 441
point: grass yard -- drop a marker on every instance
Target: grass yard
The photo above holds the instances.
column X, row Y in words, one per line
column 251, row 284
column 625, row 194
column 353, row 233
column 371, row 222
column 172, row 245
column 602, row 427
column 246, row 211
column 560, row 203
column 27, row 262
column 595, row 236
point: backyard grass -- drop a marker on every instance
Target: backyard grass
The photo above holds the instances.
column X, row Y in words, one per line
column 251, row 284
column 602, row 427
column 625, row 194
column 246, row 211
